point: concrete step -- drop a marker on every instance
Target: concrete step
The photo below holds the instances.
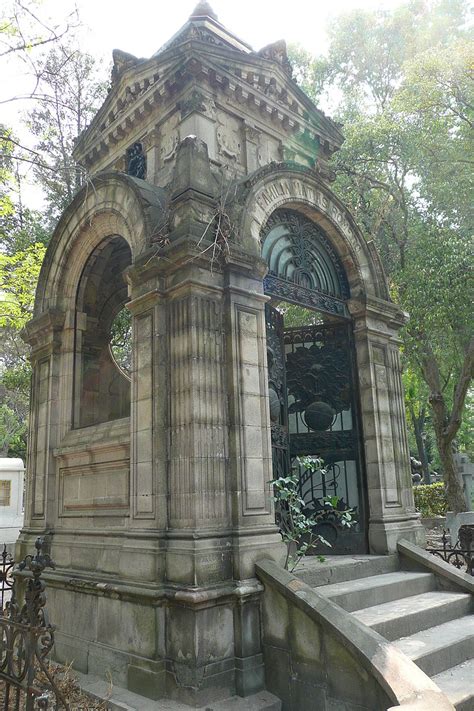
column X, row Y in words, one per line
column 458, row 685
column 379, row 589
column 442, row 647
column 336, row 569
column 401, row 618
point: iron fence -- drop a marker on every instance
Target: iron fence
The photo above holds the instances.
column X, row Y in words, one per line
column 461, row 555
column 6, row 577
column 26, row 636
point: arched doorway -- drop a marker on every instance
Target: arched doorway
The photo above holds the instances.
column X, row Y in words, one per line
column 314, row 408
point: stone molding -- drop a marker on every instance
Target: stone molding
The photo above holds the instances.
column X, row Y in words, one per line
column 152, row 85
column 96, row 212
column 283, row 184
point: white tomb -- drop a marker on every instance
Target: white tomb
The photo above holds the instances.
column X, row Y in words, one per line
column 11, row 499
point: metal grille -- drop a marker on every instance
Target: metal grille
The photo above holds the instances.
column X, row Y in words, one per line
column 27, row 637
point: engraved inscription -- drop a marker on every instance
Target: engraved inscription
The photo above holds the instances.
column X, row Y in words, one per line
column 270, row 196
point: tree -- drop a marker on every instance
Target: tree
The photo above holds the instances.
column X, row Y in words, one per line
column 435, row 284
column 23, row 30
column 18, row 277
column 404, row 84
column 72, row 89
column 416, row 403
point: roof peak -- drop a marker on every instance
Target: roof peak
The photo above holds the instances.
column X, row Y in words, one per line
column 203, row 9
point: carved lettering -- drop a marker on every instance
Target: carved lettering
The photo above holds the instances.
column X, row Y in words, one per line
column 269, row 198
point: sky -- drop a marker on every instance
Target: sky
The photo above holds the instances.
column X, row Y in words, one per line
column 141, row 27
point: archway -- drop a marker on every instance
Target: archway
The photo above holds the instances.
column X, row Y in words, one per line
column 314, row 403
column 102, row 387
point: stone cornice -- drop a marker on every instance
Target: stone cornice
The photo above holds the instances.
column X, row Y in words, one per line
column 43, row 330
column 380, row 309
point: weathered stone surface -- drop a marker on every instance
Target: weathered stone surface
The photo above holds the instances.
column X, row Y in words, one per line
column 157, row 512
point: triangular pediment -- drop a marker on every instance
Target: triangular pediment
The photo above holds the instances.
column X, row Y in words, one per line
column 143, row 84
column 205, row 54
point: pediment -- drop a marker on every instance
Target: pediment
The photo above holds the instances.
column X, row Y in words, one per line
column 256, row 79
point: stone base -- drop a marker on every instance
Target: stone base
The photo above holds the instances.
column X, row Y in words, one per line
column 196, row 646
column 384, row 535
column 120, row 699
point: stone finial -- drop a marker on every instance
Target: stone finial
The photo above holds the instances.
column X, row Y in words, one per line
column 203, row 9
column 277, row 53
column 122, row 61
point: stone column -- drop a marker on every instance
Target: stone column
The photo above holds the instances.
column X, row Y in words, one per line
column 392, row 514
column 149, row 412
column 44, row 336
column 255, row 535
column 219, row 458
column 198, row 499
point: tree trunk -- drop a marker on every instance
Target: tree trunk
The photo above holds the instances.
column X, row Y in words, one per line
column 418, row 425
column 454, row 488
column 446, row 424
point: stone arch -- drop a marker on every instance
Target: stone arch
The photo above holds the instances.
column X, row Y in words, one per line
column 299, row 189
column 102, row 389
column 110, row 204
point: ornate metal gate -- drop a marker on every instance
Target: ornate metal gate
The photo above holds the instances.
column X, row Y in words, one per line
column 312, row 384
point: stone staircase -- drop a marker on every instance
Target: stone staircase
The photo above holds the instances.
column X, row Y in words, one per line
column 425, row 616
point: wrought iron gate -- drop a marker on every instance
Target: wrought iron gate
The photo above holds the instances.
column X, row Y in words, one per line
column 314, row 411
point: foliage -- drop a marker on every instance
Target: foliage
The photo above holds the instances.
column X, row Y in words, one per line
column 403, row 83
column 430, row 499
column 121, row 339
column 18, row 278
column 72, row 88
column 25, row 30
column 12, row 433
column 297, row 526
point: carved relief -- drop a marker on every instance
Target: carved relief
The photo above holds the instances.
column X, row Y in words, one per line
column 150, row 140
column 169, row 139
column 271, row 195
column 268, row 149
column 197, row 101
column 277, row 53
column 228, row 137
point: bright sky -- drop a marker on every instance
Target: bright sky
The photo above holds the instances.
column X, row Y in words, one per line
column 142, row 26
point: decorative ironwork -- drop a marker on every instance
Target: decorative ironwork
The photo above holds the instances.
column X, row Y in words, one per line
column 321, row 420
column 26, row 638
column 298, row 252
column 277, row 392
column 343, row 444
column 318, row 371
column 297, row 294
column 6, row 577
column 461, row 555
column 316, row 413
column 136, row 161
column 314, row 487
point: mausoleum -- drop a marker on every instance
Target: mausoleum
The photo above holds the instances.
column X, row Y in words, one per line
column 260, row 328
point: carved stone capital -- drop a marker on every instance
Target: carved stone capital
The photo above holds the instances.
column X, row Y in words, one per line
column 44, row 331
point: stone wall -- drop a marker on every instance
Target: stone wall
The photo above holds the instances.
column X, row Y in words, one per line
column 314, row 650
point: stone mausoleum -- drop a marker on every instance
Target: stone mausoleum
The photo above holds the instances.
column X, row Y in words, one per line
column 260, row 328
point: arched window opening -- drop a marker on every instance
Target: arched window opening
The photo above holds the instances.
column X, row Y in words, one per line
column 102, row 355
